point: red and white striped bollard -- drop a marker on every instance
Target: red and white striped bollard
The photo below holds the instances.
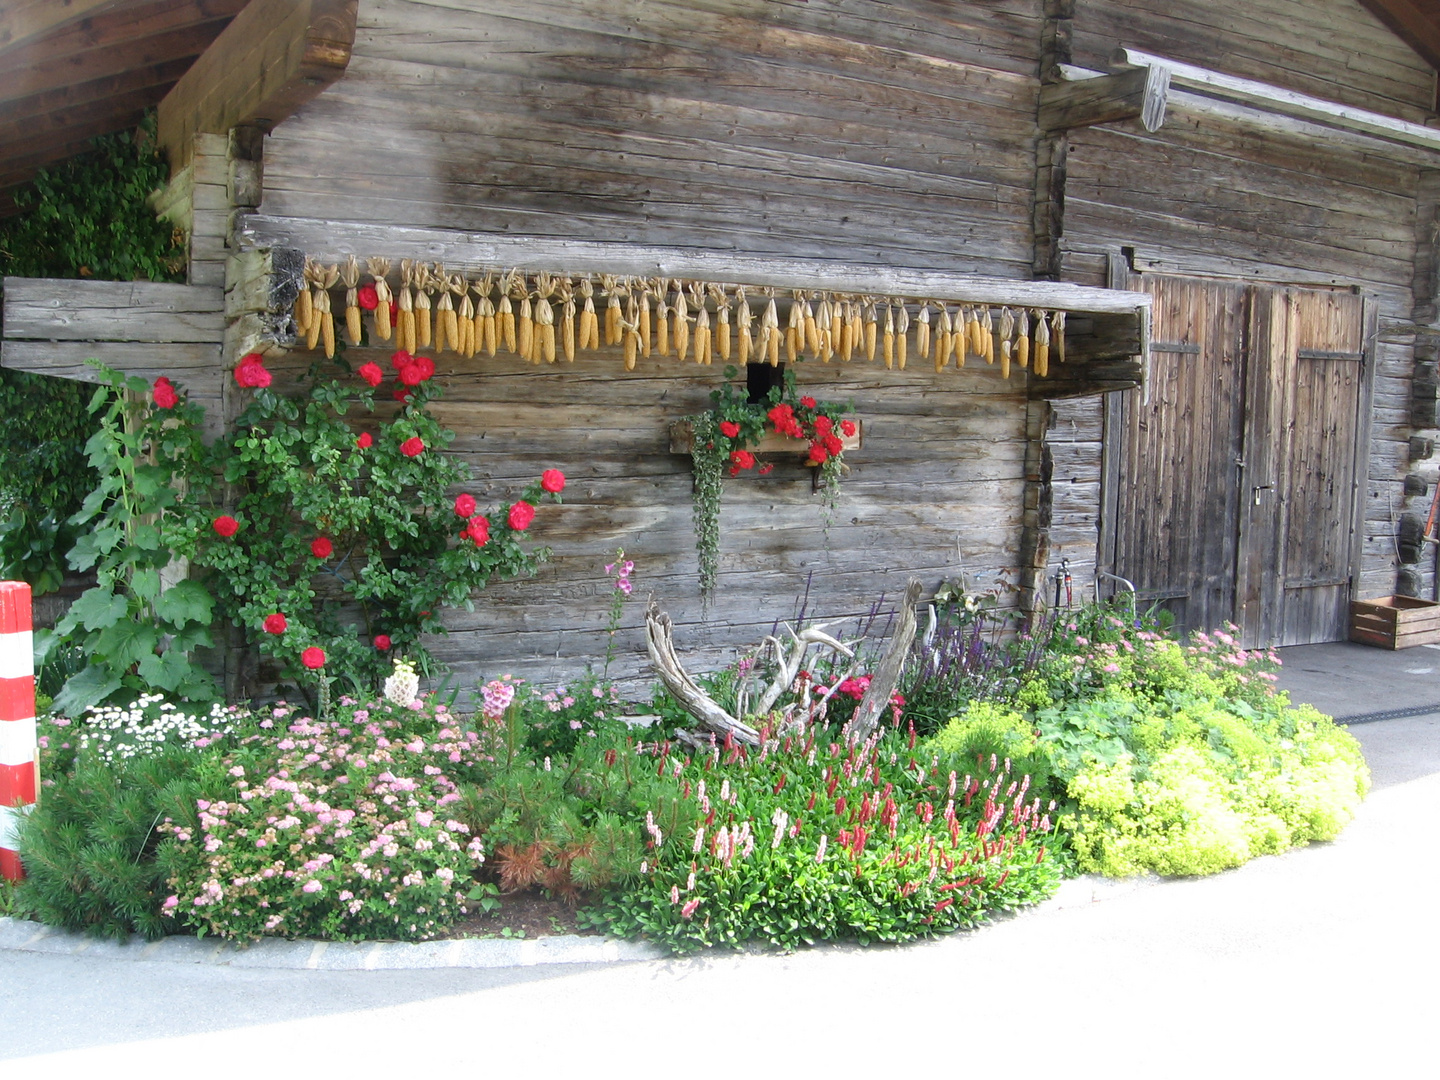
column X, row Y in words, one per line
column 19, row 751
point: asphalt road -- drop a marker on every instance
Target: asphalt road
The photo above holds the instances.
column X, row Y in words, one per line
column 1318, row 963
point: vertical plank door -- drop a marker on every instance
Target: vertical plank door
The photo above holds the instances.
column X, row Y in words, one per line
column 1177, row 477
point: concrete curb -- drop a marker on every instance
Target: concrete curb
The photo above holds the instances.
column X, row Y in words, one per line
column 22, row 935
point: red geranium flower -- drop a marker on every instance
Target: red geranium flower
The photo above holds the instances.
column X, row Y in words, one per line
column 321, row 547
column 313, row 657
column 371, row 373
column 742, row 459
column 521, row 515
column 767, row 468
column 251, row 371
column 553, row 481
column 729, row 428
column 413, row 446
column 382, row 642
column 464, row 505
column 479, row 531
column 807, row 402
column 164, row 394
column 225, row 525
column 365, row 441
column 833, row 444
column 847, row 427
column 367, row 297
column 275, row 624
column 824, row 425
column 818, row 454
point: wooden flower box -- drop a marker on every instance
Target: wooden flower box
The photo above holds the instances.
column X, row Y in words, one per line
column 1395, row 622
column 682, row 440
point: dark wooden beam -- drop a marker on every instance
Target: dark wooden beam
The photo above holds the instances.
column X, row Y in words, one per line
column 1415, row 22
column 80, row 95
column 34, row 76
column 275, row 56
column 1139, row 93
column 22, row 21
column 61, row 125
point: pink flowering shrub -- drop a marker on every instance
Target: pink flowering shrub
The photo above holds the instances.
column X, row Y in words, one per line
column 344, row 829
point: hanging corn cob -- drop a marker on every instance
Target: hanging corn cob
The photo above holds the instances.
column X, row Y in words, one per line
column 795, row 328
column 505, row 315
column 377, row 269
column 902, row 331
column 644, row 322
column 350, row 278
column 1022, row 339
column 770, row 331
column 1042, row 345
column 1057, row 335
column 702, row 336
column 945, row 340
column 680, row 311
column 1007, row 329
column 612, row 309
column 810, row 338
column 469, row 339
column 889, row 336
column 870, row 317
column 976, row 328
column 424, row 284
column 485, row 337
column 544, row 319
column 722, row 322
column 922, row 333
column 742, row 326
column 836, row 325
column 662, row 319
column 458, row 333
column 822, row 328
column 304, row 304
column 589, row 337
column 630, row 329
column 322, row 323
column 987, row 335
column 525, row 323
column 854, row 329
column 405, row 308
column 438, row 281
column 961, row 336
column 566, row 292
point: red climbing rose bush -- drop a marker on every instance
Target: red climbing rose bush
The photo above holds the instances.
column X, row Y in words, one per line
column 343, row 529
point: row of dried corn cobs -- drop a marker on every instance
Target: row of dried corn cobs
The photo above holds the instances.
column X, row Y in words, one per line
column 545, row 317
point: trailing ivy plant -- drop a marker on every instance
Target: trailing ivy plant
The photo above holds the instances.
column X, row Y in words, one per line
column 87, row 217
column 138, row 632
column 723, row 439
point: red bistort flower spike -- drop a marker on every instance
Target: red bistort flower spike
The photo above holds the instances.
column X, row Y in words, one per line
column 413, row 446
column 275, row 624
column 371, row 373
column 313, row 657
column 382, row 642
column 164, row 394
column 225, row 525
column 553, row 481
column 521, row 515
column 321, row 547
column 367, row 297
column 465, row 506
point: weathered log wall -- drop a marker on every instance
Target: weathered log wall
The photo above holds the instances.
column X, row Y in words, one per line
column 1228, row 196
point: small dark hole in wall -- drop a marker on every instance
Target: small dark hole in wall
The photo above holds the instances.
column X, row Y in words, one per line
column 760, row 378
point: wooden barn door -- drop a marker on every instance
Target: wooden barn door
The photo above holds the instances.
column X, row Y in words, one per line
column 1234, row 485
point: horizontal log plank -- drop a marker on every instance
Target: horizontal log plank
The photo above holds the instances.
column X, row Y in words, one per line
column 66, row 310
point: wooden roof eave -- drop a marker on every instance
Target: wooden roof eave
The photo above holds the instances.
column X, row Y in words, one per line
column 1145, row 87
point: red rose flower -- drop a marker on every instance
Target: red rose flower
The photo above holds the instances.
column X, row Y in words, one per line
column 426, row 366
column 371, row 373
column 417, row 371
column 807, row 402
column 382, row 642
column 479, row 531
column 275, row 624
column 413, row 446
column 401, row 359
column 313, row 657
column 225, row 525
column 847, row 428
column 464, row 506
column 365, row 441
column 729, row 428
column 321, row 547
column 164, row 394
column 251, row 371
column 521, row 515
column 401, row 394
column 367, row 297
column 553, row 481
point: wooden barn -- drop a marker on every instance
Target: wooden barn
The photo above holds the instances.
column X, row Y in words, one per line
column 1225, row 211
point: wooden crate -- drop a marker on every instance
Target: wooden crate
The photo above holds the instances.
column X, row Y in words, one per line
column 1395, row 622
